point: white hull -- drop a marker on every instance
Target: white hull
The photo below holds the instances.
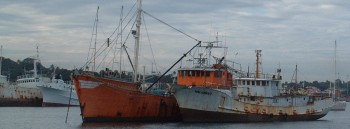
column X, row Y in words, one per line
column 58, row 97
column 200, row 104
column 339, row 106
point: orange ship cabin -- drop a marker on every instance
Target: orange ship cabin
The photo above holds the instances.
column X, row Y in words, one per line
column 215, row 78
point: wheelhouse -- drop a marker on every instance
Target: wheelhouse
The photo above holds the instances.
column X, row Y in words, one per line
column 216, row 77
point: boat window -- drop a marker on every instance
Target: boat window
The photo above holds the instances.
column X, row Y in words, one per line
column 248, row 82
column 275, row 100
column 207, row 73
column 239, row 82
column 258, row 83
column 217, row 73
column 197, row 73
column 243, row 81
column 263, row 83
column 202, row 73
column 276, row 83
column 181, row 73
column 252, row 98
column 222, row 101
column 267, row 83
column 253, row 83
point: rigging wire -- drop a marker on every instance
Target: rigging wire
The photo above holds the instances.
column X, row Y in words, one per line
column 123, row 20
column 109, row 49
column 116, row 38
column 170, row 26
column 149, row 41
column 100, row 50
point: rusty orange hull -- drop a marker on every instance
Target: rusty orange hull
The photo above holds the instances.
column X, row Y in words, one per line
column 105, row 100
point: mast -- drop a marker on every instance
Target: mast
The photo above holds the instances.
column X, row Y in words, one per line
column 258, row 63
column 347, row 85
column 35, row 61
column 296, row 74
column 121, row 43
column 137, row 40
column 335, row 67
column 1, row 60
column 94, row 68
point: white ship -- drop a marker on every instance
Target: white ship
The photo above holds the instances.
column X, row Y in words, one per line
column 59, row 93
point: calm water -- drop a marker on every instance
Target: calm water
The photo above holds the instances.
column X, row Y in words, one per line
column 54, row 118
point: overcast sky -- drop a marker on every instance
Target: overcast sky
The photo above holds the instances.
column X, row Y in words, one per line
column 288, row 32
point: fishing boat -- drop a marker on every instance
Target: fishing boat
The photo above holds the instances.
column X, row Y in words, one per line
column 24, row 92
column 105, row 98
column 58, row 93
column 206, row 93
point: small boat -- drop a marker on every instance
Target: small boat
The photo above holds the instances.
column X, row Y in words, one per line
column 339, row 106
column 206, row 93
column 58, row 93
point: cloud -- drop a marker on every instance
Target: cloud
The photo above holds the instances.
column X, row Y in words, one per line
column 289, row 31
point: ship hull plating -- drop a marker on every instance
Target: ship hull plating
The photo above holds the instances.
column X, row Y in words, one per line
column 13, row 102
column 198, row 104
column 15, row 96
column 192, row 115
column 104, row 100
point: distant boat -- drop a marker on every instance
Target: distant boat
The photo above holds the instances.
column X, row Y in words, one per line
column 205, row 93
column 59, row 93
column 339, row 106
column 108, row 99
column 24, row 92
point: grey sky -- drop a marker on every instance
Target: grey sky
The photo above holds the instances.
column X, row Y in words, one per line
column 289, row 32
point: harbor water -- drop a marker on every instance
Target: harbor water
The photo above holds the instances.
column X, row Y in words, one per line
column 54, row 118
